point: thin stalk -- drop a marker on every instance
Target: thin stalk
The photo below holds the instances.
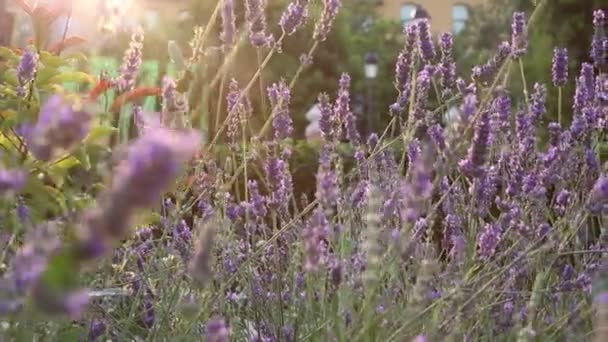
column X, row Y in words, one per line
column 263, row 104
column 559, row 106
column 523, row 79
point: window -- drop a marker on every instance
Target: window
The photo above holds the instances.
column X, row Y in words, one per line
column 407, row 13
column 460, row 16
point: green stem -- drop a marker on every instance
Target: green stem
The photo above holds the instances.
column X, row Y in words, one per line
column 559, row 106
column 523, row 79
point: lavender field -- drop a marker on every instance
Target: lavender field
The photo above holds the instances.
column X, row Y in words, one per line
column 488, row 223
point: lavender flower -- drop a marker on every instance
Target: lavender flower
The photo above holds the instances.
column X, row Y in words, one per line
column 172, row 101
column 447, row 66
column 26, row 70
column 560, row 67
column 96, row 329
column 599, row 44
column 423, row 85
column 323, row 26
column 519, row 39
column 477, row 154
column 485, row 73
column 153, row 161
column 227, row 36
column 182, row 240
column 314, row 246
column 562, row 201
column 343, row 112
column 280, row 182
column 280, row 97
column 294, row 16
column 326, row 121
column 12, row 181
column 61, row 124
column 538, row 101
column 149, row 315
column 585, row 88
column 598, row 198
column 488, row 240
column 256, row 21
column 403, row 69
column 425, row 41
column 327, row 181
column 131, row 62
column 238, row 110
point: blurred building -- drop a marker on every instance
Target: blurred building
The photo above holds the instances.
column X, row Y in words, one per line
column 445, row 15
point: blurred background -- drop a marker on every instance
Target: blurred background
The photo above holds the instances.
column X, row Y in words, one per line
column 365, row 42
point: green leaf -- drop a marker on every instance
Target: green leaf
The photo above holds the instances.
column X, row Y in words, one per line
column 45, row 74
column 77, row 56
column 83, row 158
column 71, row 334
column 62, row 271
column 72, row 76
column 98, row 133
column 8, row 54
column 51, row 60
column 10, row 77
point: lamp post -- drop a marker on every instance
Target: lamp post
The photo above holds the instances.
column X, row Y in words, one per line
column 371, row 72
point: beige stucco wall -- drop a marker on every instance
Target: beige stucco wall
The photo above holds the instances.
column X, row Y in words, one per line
column 439, row 10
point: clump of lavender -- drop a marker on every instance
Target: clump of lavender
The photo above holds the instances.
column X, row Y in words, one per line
column 61, row 125
column 329, row 14
column 256, row 22
column 294, row 16
column 425, row 41
column 280, row 98
column 560, row 67
column 314, row 235
column 519, row 39
column 423, row 85
column 131, row 62
column 228, row 34
column 26, row 70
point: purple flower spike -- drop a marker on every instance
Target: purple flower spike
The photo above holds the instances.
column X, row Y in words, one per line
column 474, row 163
column 447, row 66
column 227, row 36
column 153, row 161
column 599, row 44
column 425, row 41
column 598, row 199
column 519, row 39
column 256, row 21
column 343, row 112
column 329, row 14
column 96, row 329
column 560, row 67
column 217, row 330
column 131, row 62
column 294, row 16
column 488, row 240
column 26, row 70
column 280, row 98
column 61, row 124
column 12, row 181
